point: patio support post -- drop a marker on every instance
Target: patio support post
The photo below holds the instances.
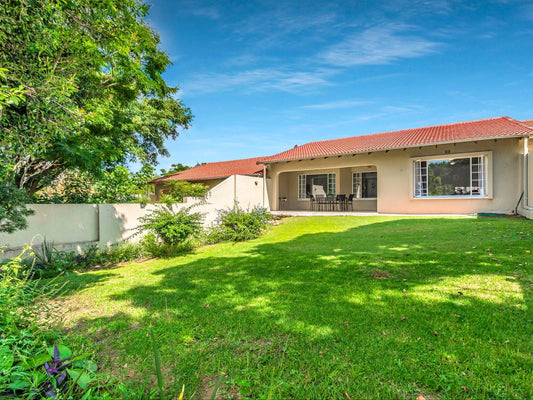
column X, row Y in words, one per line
column 525, row 177
column 234, row 191
column 264, row 183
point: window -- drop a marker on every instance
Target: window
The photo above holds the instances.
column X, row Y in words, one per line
column 316, row 184
column 465, row 176
column 365, row 185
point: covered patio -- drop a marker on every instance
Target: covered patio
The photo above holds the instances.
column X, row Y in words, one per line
column 338, row 190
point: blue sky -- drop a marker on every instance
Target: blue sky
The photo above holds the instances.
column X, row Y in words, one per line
column 262, row 76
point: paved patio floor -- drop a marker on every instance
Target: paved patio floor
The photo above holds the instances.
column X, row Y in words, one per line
column 287, row 213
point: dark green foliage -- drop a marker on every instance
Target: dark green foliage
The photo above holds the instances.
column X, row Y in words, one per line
column 13, row 211
column 174, row 168
column 116, row 185
column 81, row 88
column 177, row 190
column 172, row 227
column 237, row 225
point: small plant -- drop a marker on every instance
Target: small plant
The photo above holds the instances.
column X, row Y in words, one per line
column 49, row 373
column 49, row 261
column 237, row 225
column 172, row 228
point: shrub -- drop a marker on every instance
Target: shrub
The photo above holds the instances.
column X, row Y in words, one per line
column 172, row 227
column 238, row 225
column 49, row 261
column 177, row 190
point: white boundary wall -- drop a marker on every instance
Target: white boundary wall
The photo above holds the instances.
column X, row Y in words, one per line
column 72, row 226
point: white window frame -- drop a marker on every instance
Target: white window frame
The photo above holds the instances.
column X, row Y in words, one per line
column 331, row 185
column 419, row 192
column 359, row 176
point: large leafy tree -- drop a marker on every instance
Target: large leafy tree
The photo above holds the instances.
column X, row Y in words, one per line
column 86, row 76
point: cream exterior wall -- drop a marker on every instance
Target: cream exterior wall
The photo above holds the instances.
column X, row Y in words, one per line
column 395, row 178
column 62, row 223
column 73, row 226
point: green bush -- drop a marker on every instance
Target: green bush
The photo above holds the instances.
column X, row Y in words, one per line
column 172, row 228
column 237, row 225
column 177, row 190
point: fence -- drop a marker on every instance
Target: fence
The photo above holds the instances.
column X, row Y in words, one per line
column 72, row 226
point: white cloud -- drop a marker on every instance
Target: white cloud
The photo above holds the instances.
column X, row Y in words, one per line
column 337, row 104
column 378, row 45
column 258, row 80
column 196, row 9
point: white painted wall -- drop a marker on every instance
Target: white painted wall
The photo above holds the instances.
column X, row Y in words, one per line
column 71, row 226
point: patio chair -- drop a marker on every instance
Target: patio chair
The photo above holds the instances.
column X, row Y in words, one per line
column 320, row 202
column 311, row 202
column 341, row 201
column 349, row 202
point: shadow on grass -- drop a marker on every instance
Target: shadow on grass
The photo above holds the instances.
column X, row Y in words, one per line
column 388, row 309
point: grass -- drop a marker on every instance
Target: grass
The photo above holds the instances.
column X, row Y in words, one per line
column 326, row 307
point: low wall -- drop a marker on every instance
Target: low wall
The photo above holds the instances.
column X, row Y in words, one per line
column 73, row 226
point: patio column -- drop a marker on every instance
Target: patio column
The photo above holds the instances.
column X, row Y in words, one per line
column 275, row 192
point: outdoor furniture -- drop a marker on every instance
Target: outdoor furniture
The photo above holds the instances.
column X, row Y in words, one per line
column 349, row 202
column 321, row 202
column 330, row 203
column 341, row 201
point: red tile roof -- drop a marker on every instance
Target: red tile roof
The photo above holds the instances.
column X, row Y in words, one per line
column 493, row 128
column 215, row 170
column 528, row 122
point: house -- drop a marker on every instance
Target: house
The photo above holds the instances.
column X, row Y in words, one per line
column 468, row 167
column 211, row 174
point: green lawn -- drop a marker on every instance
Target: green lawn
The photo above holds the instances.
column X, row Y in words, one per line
column 327, row 308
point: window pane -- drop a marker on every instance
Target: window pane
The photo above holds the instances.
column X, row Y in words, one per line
column 316, row 185
column 356, row 185
column 301, row 187
column 332, row 184
column 449, row 177
column 369, row 185
column 421, row 178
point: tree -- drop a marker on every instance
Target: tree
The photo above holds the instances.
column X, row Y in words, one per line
column 174, row 168
column 13, row 211
column 116, row 185
column 89, row 95
column 177, row 190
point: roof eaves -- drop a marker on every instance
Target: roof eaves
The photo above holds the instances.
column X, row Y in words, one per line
column 162, row 179
column 396, row 148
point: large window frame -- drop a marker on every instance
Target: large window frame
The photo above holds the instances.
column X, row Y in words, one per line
column 302, row 184
column 480, row 176
column 358, row 185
